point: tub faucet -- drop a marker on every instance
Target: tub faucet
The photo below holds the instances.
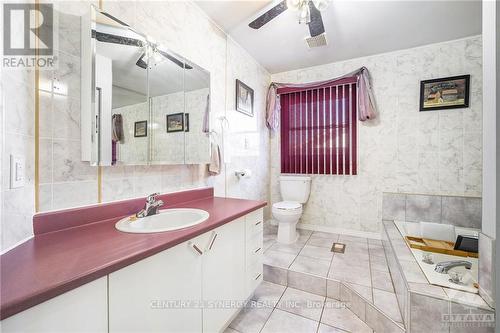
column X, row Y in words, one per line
column 444, row 266
column 150, row 207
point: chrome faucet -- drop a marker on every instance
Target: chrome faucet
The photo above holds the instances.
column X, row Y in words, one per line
column 444, row 266
column 150, row 207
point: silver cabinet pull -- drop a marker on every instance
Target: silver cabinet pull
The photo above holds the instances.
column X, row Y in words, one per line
column 258, row 276
column 214, row 236
column 99, row 109
column 196, row 248
column 257, row 250
column 258, row 223
column 98, row 118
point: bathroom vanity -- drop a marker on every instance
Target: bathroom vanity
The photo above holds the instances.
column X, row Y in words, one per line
column 84, row 275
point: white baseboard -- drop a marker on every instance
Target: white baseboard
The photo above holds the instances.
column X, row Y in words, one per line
column 349, row 232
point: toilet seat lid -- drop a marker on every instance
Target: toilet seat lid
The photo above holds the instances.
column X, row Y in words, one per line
column 287, row 205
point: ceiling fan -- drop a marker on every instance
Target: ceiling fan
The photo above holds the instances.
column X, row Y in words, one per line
column 309, row 12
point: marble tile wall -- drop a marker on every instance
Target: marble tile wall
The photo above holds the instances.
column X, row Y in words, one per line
column 246, row 138
column 131, row 149
column 197, row 150
column 17, row 138
column 403, row 150
column 65, row 181
column 487, row 273
column 167, row 147
column 459, row 211
column 17, row 131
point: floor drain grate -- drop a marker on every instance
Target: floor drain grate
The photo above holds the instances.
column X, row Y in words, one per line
column 338, row 248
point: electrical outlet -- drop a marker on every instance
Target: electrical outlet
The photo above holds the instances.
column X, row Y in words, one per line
column 16, row 171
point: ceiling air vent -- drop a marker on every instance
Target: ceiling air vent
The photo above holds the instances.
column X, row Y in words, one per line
column 317, row 41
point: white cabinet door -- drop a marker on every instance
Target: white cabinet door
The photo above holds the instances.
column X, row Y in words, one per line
column 159, row 293
column 223, row 275
column 83, row 309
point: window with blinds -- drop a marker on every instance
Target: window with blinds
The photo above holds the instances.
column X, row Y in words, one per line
column 318, row 129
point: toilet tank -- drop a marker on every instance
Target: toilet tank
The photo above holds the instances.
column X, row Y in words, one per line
column 295, row 188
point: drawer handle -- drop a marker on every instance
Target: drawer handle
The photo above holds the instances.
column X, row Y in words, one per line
column 214, row 236
column 196, row 248
column 257, row 250
column 258, row 223
column 258, row 276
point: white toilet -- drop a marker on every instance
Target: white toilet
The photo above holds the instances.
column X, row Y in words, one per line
column 295, row 192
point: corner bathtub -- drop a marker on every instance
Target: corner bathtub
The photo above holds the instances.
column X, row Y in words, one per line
column 470, row 276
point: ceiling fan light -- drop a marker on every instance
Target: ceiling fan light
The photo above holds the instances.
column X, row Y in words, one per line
column 157, row 58
column 294, row 4
column 305, row 15
column 321, row 4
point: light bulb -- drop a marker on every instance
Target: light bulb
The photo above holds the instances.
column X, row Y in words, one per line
column 148, row 51
column 293, row 4
column 321, row 4
column 305, row 15
column 157, row 57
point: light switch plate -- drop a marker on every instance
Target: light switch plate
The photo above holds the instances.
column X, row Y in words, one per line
column 17, row 166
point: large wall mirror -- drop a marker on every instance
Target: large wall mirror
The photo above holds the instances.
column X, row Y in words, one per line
column 141, row 103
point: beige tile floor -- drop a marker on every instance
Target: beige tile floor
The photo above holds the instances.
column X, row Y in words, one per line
column 363, row 266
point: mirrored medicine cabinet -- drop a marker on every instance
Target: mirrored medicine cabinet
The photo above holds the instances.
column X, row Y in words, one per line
column 142, row 104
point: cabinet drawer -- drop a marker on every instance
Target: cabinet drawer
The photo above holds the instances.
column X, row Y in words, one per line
column 254, row 259
column 254, row 277
column 254, row 249
column 254, row 223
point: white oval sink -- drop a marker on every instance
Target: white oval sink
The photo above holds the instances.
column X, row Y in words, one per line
column 166, row 220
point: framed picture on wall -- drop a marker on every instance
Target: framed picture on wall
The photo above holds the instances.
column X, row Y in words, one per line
column 445, row 93
column 141, row 129
column 175, row 122
column 244, row 98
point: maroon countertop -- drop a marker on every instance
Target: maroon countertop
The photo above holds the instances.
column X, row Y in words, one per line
column 58, row 259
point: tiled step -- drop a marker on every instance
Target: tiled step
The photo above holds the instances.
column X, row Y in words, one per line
column 275, row 308
column 359, row 277
column 376, row 318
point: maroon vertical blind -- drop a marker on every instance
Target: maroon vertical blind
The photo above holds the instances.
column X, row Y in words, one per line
column 319, row 129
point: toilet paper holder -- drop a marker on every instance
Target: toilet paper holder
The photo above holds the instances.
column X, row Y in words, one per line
column 245, row 173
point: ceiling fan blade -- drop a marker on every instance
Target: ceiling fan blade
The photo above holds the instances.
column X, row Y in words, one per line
column 115, row 39
column 115, row 19
column 141, row 63
column 269, row 15
column 175, row 60
column 316, row 26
